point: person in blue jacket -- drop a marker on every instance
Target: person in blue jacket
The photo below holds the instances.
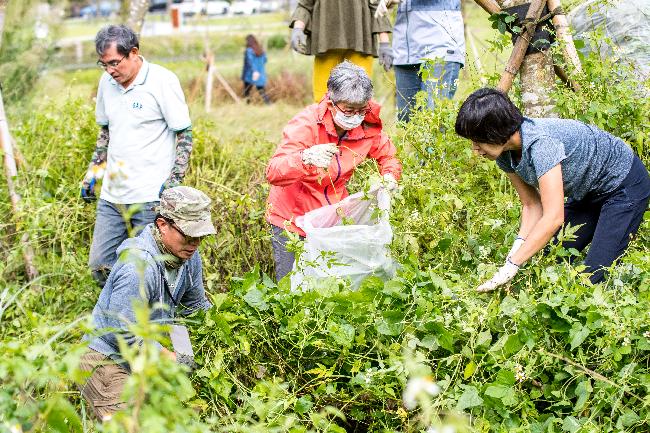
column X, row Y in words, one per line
column 254, row 73
column 161, row 267
column 428, row 51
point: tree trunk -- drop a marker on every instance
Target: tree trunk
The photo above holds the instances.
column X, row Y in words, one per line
column 137, row 11
column 537, row 78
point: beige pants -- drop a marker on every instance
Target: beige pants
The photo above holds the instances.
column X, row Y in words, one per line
column 103, row 390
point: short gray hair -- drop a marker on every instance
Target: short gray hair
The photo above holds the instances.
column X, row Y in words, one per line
column 349, row 83
column 122, row 36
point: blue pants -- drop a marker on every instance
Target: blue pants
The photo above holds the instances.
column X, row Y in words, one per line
column 440, row 83
column 111, row 229
column 609, row 220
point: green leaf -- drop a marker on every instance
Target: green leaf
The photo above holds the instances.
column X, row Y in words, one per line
column 390, row 323
column 498, row 391
column 255, row 299
column 578, row 334
column 570, row 424
column 470, row 398
column 470, row 368
column 583, row 391
column 303, row 404
column 629, row 418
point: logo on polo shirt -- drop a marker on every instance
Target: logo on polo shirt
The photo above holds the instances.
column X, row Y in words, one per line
column 137, row 105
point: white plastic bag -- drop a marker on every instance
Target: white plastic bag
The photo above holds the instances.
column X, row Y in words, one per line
column 348, row 239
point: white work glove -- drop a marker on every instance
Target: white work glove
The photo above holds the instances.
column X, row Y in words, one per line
column 502, row 276
column 383, row 6
column 319, row 155
column 299, row 40
column 389, row 182
column 256, row 76
column 385, row 55
column 519, row 241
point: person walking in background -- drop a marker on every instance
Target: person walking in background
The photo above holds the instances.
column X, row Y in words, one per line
column 254, row 73
column 337, row 30
column 143, row 147
column 428, row 51
column 606, row 185
column 320, row 149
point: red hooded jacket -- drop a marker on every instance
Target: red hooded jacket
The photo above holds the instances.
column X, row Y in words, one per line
column 298, row 188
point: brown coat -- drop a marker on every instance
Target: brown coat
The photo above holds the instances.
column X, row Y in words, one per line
column 340, row 24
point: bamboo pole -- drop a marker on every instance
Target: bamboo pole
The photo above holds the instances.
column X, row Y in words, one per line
column 564, row 35
column 489, row 6
column 10, row 174
column 225, row 84
column 209, row 58
column 521, row 46
column 11, row 171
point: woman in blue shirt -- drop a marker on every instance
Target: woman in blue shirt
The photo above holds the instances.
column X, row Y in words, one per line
column 253, row 73
column 606, row 185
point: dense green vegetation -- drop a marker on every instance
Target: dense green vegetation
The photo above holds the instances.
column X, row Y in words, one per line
column 553, row 353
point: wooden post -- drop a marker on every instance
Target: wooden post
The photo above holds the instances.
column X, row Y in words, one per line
column 225, row 84
column 489, row 6
column 208, row 81
column 521, row 45
column 11, row 171
column 564, row 36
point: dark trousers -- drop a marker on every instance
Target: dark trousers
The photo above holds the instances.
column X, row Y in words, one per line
column 283, row 259
column 609, row 220
column 248, row 87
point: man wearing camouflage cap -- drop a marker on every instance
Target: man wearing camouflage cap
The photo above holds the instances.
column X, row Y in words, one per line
column 173, row 282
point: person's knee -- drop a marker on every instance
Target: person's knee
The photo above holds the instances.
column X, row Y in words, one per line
column 100, row 275
column 103, row 388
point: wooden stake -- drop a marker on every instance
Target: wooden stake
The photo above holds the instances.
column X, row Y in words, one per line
column 521, row 46
column 11, row 171
column 209, row 58
column 564, row 36
column 489, row 6
column 225, row 84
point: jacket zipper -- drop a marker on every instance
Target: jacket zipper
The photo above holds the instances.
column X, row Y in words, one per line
column 338, row 163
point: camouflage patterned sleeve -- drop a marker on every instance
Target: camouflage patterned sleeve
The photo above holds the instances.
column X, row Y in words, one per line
column 182, row 160
column 101, row 148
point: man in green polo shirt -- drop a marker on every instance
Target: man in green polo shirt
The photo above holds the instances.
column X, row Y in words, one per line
column 143, row 146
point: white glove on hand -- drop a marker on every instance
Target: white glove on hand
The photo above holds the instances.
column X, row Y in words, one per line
column 383, row 6
column 515, row 247
column 389, row 182
column 319, row 155
column 503, row 275
column 256, row 76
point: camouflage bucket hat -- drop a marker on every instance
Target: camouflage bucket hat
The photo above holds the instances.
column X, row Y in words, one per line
column 189, row 208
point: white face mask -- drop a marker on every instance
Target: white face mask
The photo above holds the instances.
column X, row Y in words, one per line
column 348, row 122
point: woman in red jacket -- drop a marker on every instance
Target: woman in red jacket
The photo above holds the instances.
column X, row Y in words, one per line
column 320, row 148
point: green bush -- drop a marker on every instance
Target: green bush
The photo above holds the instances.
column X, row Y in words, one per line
column 276, row 42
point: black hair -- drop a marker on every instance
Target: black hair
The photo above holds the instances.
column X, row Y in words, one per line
column 169, row 220
column 124, row 38
column 488, row 116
